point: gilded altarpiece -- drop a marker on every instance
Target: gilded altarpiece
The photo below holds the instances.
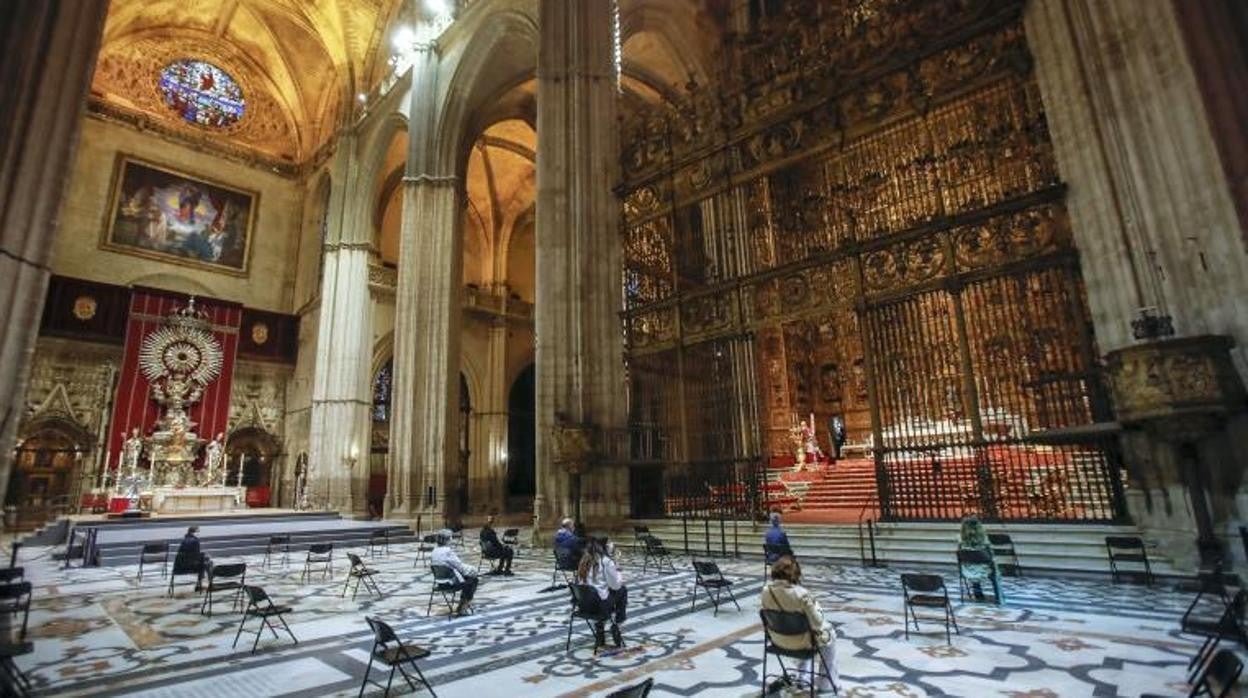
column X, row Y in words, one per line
column 868, row 208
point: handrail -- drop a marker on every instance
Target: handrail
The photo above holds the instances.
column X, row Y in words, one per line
column 870, row 531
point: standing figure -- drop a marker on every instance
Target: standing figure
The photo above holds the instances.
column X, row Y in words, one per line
column 810, row 447
column 131, row 451
column 838, row 436
column 214, row 458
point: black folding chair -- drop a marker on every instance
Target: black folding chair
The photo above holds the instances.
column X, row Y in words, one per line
column 185, row 567
column 979, row 558
column 487, row 554
column 388, row 649
column 1003, row 549
column 424, row 547
column 640, row 534
column 12, row 679
column 1228, row 625
column 322, row 555
column 774, row 551
column 362, row 574
column 457, row 535
column 276, row 543
column 640, row 690
column 511, row 537
column 1216, row 678
column 657, row 552
column 1214, row 592
column 708, row 576
column 153, row 553
column 793, row 623
column 14, row 600
column 1135, row 552
column 587, row 606
column 926, row 591
column 379, row 543
column 259, row 605
column 565, row 564
column 231, row 578
column 446, row 583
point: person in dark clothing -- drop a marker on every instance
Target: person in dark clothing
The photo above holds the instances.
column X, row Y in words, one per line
column 777, row 540
column 189, row 558
column 838, row 436
column 493, row 549
column 568, row 545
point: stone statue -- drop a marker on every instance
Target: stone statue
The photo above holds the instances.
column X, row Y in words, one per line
column 131, row 451
column 214, row 458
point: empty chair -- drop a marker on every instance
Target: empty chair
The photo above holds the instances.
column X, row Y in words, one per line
column 976, row 568
column 11, row 677
column 379, row 543
column 228, row 578
column 1006, row 555
column 587, row 606
column 320, row 556
column 277, row 543
column 1228, row 625
column 793, row 623
column 446, row 583
column 657, row 553
column 1216, row 679
column 151, row 554
column 362, row 574
column 457, row 535
column 926, row 591
column 14, row 600
column 259, row 605
column 424, row 547
column 389, row 650
column 638, row 690
column 708, row 576
column 1128, row 549
column 640, row 534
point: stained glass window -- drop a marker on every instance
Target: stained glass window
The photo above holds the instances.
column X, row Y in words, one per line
column 202, row 93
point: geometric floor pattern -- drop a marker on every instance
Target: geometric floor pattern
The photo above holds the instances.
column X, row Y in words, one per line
column 101, row 632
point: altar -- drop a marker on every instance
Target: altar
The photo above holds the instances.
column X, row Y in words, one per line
column 181, row 500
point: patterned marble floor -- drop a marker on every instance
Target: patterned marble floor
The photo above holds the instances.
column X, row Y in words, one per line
column 102, row 632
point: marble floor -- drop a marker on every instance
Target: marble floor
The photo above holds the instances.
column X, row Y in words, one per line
column 101, row 631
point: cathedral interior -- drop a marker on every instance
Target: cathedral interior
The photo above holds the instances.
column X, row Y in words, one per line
column 381, row 275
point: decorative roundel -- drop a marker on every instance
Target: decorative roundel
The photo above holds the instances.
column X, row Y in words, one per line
column 201, row 93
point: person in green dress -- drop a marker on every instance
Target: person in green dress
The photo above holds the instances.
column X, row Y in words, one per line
column 974, row 537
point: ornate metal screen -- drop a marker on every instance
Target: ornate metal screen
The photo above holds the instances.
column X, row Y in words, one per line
column 864, row 222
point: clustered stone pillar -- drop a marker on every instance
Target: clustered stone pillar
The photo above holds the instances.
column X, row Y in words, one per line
column 488, row 465
column 49, row 54
column 424, row 425
column 1156, row 227
column 339, row 435
column 578, row 346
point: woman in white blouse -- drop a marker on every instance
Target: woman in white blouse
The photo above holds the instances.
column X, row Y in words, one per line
column 598, row 570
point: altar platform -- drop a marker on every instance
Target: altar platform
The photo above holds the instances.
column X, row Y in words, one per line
column 229, row 534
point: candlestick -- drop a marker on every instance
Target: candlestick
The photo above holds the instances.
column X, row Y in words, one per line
column 238, row 482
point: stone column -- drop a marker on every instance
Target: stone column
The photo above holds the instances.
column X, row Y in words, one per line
column 1156, row 226
column 488, row 467
column 338, row 447
column 45, row 68
column 578, row 345
column 424, row 425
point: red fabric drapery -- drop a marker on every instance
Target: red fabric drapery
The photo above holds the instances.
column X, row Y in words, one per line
column 133, row 406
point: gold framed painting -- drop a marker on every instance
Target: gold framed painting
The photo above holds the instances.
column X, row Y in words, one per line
column 161, row 213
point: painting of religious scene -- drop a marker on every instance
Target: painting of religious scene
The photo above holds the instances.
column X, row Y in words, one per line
column 167, row 215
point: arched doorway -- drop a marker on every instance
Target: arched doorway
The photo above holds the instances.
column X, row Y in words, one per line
column 521, row 442
column 50, row 454
column 258, row 450
column 379, row 440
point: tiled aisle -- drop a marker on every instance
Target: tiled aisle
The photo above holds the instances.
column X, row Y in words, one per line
column 101, row 632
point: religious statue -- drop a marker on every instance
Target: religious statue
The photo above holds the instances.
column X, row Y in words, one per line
column 214, row 459
column 131, row 451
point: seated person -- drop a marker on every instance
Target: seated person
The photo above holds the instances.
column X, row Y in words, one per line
column 776, row 536
column 568, row 547
column 445, row 555
column 189, row 559
column 973, row 537
column 493, row 548
column 598, row 570
column 785, row 593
